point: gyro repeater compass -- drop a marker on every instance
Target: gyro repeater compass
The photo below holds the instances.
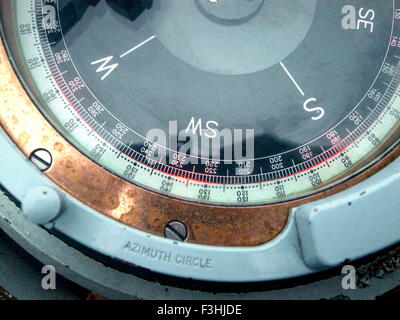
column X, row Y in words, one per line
column 215, row 140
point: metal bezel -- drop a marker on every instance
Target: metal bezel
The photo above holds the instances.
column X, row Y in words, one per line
column 130, row 204
column 94, row 218
column 281, row 258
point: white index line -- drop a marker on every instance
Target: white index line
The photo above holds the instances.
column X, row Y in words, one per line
column 291, row 78
column 137, row 47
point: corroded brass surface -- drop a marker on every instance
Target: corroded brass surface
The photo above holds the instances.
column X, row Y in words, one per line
column 129, row 204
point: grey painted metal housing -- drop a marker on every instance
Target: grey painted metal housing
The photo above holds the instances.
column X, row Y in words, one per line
column 301, row 248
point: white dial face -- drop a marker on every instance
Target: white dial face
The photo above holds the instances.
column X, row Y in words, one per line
column 229, row 103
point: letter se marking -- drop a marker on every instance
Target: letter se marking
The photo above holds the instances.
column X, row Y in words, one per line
column 356, row 20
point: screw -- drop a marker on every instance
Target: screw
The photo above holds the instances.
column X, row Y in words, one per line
column 176, row 230
column 42, row 159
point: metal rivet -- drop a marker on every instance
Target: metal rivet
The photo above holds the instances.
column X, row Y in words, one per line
column 42, row 159
column 176, row 230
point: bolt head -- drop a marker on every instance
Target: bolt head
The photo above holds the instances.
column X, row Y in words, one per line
column 42, row 159
column 176, row 230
